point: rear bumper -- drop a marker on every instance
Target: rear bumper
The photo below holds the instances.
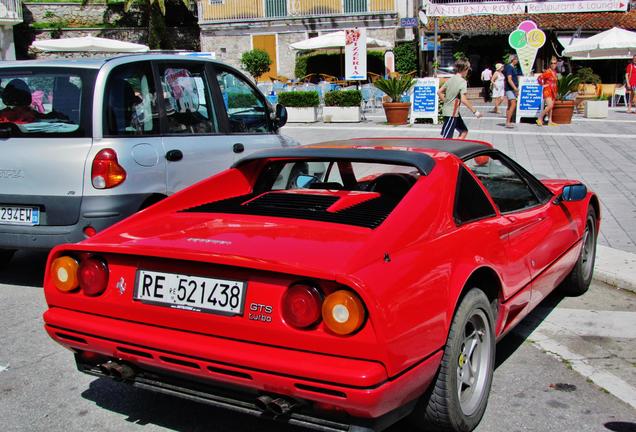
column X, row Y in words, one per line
column 359, row 387
column 100, row 212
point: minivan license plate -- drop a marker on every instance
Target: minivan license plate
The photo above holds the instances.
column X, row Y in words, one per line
column 19, row 215
column 193, row 293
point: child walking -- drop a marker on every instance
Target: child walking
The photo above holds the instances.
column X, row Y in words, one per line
column 453, row 93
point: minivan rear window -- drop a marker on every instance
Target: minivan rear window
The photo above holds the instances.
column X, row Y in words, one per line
column 45, row 102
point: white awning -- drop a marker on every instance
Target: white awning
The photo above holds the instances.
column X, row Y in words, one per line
column 615, row 43
column 335, row 40
column 89, row 44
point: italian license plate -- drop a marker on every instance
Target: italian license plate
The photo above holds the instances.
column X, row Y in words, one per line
column 192, row 293
column 19, row 215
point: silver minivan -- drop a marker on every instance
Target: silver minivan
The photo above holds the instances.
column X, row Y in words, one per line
column 86, row 143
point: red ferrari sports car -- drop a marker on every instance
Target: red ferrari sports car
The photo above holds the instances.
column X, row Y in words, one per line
column 339, row 286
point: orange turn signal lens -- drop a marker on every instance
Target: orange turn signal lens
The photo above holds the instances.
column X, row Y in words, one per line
column 343, row 312
column 64, row 273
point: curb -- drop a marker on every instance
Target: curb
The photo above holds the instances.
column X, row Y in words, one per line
column 616, row 268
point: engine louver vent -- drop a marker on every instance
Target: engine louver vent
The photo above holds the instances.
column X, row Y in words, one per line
column 369, row 214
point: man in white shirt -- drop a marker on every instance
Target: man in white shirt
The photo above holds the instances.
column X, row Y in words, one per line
column 486, row 76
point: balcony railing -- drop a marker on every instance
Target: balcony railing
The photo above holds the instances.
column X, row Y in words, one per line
column 10, row 11
column 211, row 11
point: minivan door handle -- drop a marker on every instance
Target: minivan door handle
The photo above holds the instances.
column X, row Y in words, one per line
column 238, row 148
column 174, row 155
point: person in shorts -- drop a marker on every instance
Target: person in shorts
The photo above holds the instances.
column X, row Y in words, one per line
column 630, row 82
column 511, row 85
column 452, row 94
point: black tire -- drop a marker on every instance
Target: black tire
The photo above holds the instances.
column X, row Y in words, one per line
column 5, row 257
column 579, row 279
column 446, row 406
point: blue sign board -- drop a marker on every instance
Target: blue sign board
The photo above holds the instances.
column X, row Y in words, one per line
column 424, row 99
column 530, row 98
column 408, row 22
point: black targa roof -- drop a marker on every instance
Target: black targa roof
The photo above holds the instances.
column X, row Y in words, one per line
column 423, row 162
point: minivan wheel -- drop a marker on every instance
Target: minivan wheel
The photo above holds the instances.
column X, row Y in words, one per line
column 5, row 256
column 456, row 399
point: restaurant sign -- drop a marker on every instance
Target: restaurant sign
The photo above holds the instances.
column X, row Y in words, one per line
column 356, row 54
column 507, row 8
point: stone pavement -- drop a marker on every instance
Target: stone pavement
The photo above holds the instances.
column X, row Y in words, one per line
column 599, row 152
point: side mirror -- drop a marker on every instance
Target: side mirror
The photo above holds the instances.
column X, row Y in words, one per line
column 304, row 181
column 281, row 116
column 575, row 192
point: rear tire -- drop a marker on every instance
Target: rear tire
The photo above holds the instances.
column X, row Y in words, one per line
column 579, row 279
column 5, row 257
column 457, row 398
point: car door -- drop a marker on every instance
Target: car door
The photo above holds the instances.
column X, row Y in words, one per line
column 130, row 126
column 246, row 114
column 536, row 235
column 194, row 145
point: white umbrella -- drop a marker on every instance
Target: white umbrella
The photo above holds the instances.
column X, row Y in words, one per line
column 88, row 43
column 335, row 40
column 614, row 43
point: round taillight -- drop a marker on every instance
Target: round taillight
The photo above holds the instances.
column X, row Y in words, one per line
column 301, row 305
column 93, row 276
column 343, row 312
column 64, row 273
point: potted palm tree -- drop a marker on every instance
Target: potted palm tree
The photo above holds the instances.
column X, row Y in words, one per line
column 396, row 112
column 564, row 107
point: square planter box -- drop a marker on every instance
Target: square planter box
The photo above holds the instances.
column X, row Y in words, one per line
column 341, row 114
column 595, row 109
column 302, row 115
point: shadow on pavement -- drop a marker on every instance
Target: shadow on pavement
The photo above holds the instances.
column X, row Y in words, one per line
column 621, row 426
column 146, row 407
column 25, row 269
column 513, row 340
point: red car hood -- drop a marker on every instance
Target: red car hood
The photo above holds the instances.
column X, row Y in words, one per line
column 300, row 247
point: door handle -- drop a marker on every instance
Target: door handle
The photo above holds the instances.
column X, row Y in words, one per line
column 238, row 148
column 174, row 155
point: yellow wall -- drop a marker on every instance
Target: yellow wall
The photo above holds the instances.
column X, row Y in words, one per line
column 382, row 5
column 319, row 7
column 267, row 43
column 232, row 9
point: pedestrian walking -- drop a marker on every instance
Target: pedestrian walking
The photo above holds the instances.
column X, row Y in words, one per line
column 497, row 83
column 511, row 86
column 453, row 94
column 548, row 79
column 630, row 82
column 486, row 76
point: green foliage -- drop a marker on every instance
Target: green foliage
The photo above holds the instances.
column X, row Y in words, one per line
column 332, row 64
column 256, row 62
column 587, row 76
column 566, row 85
column 343, row 98
column 405, row 57
column 395, row 87
column 459, row 55
column 241, row 100
column 299, row 99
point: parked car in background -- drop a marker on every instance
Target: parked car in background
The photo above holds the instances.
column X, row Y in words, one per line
column 339, row 286
column 86, row 143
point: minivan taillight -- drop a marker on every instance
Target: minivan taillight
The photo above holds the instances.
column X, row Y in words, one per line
column 106, row 172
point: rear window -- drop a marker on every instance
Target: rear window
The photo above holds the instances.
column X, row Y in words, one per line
column 45, row 102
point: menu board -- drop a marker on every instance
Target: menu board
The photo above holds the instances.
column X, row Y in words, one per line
column 424, row 100
column 530, row 101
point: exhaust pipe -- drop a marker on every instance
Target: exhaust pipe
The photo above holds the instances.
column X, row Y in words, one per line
column 262, row 403
column 280, row 406
column 117, row 370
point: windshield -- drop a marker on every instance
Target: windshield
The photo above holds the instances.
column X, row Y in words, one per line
column 43, row 102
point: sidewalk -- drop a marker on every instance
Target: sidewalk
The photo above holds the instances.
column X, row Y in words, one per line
column 616, row 268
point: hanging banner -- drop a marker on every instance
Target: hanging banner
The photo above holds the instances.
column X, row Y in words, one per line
column 474, row 8
column 389, row 63
column 424, row 100
column 356, row 54
column 510, row 7
column 530, row 98
column 577, row 6
column 526, row 40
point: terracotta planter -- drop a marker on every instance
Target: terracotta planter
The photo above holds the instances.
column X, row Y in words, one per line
column 397, row 113
column 562, row 112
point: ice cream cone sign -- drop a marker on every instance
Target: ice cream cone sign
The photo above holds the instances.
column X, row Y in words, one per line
column 526, row 40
